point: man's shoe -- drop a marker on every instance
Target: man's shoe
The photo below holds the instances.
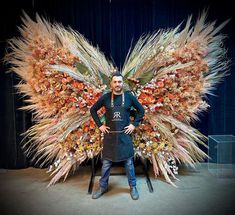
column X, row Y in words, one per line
column 134, row 193
column 98, row 193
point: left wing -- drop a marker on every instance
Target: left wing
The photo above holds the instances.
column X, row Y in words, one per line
column 62, row 76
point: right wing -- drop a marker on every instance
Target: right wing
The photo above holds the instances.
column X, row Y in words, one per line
column 171, row 72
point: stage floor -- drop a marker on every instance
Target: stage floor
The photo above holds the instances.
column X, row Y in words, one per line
column 24, row 192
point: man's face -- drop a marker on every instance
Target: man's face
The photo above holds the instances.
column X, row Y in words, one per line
column 117, row 84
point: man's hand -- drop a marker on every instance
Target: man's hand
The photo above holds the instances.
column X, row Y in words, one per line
column 104, row 129
column 129, row 129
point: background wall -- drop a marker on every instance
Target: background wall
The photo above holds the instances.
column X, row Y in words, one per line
column 112, row 25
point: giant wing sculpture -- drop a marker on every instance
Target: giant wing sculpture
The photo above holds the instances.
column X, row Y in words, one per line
column 62, row 75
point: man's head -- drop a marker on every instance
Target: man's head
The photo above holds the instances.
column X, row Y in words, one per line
column 116, row 83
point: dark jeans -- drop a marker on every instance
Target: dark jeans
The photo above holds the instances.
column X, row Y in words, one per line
column 105, row 172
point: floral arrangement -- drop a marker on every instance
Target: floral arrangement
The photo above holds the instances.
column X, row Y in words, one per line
column 63, row 75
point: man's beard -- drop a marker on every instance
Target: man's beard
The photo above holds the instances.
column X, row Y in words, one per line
column 118, row 89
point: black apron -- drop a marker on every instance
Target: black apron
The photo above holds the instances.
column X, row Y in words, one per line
column 117, row 146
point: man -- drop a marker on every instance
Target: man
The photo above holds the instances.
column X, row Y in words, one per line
column 117, row 143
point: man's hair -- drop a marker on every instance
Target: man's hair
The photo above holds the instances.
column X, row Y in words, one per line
column 116, row 74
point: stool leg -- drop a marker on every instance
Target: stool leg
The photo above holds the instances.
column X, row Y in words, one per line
column 145, row 169
column 91, row 184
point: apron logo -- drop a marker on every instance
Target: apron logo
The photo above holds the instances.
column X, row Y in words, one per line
column 117, row 116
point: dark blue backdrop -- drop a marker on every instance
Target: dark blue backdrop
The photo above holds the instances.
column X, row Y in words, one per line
column 112, row 25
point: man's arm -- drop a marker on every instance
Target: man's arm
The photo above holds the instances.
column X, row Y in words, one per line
column 140, row 114
column 99, row 104
column 140, row 111
column 93, row 111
